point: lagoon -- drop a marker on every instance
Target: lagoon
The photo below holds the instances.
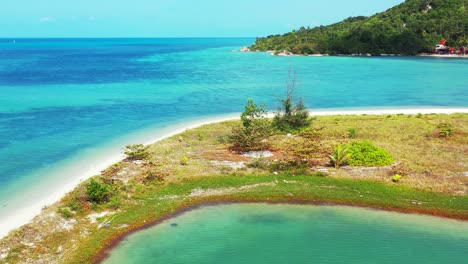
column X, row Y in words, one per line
column 266, row 233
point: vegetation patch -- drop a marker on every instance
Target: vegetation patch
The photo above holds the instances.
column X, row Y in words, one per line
column 365, row 153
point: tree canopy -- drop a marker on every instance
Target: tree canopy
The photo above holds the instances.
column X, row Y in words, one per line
column 412, row 27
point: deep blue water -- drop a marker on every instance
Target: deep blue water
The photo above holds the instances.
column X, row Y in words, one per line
column 60, row 97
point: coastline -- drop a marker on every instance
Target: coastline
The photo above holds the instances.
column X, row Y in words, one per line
column 282, row 54
column 33, row 207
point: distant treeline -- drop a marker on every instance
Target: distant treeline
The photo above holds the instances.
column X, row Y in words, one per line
column 412, row 27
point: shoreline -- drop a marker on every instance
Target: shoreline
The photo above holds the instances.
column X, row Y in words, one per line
column 425, row 55
column 31, row 209
column 105, row 253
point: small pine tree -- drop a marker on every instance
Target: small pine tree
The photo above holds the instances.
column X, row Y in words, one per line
column 291, row 117
column 136, row 152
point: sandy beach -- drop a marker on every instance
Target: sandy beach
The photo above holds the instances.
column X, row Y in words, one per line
column 444, row 56
column 27, row 208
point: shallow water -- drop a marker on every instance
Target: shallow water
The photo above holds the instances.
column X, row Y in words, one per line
column 261, row 233
column 66, row 101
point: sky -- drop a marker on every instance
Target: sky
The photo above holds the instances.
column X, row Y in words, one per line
column 174, row 18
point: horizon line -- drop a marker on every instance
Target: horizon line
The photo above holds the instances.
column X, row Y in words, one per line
column 179, row 37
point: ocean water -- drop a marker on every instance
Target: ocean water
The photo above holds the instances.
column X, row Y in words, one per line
column 261, row 233
column 65, row 103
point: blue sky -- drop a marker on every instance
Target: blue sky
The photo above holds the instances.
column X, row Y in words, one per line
column 174, row 18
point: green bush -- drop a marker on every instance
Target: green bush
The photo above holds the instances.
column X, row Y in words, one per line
column 65, row 212
column 352, row 133
column 446, row 129
column 396, row 177
column 184, row 161
column 365, row 153
column 97, row 192
column 255, row 129
column 136, row 152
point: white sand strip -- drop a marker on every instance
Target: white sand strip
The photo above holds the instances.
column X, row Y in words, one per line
column 30, row 206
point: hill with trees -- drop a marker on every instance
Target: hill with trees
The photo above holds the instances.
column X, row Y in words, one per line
column 412, row 27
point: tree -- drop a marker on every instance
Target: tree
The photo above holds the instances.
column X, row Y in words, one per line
column 291, row 117
column 136, row 152
column 255, row 129
column 97, row 192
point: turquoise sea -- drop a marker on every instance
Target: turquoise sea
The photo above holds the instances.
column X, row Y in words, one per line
column 66, row 104
column 299, row 234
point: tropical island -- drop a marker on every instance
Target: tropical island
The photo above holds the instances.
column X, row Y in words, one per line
column 412, row 163
column 411, row 28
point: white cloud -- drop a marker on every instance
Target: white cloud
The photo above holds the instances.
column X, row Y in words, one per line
column 46, row 19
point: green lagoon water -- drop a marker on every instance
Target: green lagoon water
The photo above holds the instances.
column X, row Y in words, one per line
column 262, row 233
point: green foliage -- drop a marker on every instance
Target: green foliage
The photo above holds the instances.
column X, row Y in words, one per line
column 75, row 205
column 340, row 156
column 114, row 202
column 412, row 27
column 201, row 136
column 365, row 153
column 65, row 212
column 291, row 117
column 446, row 129
column 98, row 192
column 396, row 177
column 352, row 133
column 255, row 129
column 184, row 161
column 136, row 152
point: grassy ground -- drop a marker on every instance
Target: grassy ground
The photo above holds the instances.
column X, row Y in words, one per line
column 197, row 167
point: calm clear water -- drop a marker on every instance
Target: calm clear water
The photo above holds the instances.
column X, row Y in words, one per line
column 260, row 233
column 64, row 99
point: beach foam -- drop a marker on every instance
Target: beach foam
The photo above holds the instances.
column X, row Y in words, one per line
column 78, row 170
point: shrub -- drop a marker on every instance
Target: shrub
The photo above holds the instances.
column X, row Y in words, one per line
column 201, row 136
column 365, row 153
column 184, row 161
column 65, row 212
column 352, row 133
column 255, row 129
column 97, row 192
column 136, row 152
column 446, row 129
column 340, row 156
column 396, row 177
column 155, row 175
column 302, row 150
column 290, row 117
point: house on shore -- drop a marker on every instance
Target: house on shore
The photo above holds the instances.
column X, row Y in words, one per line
column 443, row 49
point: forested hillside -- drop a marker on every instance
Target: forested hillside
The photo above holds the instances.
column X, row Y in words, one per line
column 412, row 27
